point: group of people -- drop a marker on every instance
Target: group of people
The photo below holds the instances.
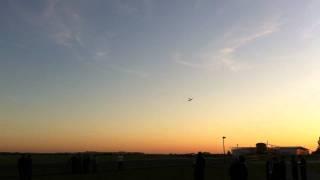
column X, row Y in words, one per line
column 25, row 167
column 83, row 164
column 86, row 163
column 237, row 171
column 276, row 168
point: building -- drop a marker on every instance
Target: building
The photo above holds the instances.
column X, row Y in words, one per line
column 292, row 150
column 262, row 148
column 238, row 151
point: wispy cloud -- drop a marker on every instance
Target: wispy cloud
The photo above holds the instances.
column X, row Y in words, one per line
column 101, row 54
column 311, row 24
column 312, row 31
column 64, row 23
column 224, row 57
column 129, row 71
column 126, row 8
column 178, row 58
column 97, row 52
column 210, row 61
column 144, row 8
column 262, row 31
column 58, row 19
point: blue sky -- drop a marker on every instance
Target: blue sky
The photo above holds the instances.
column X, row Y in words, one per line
column 128, row 64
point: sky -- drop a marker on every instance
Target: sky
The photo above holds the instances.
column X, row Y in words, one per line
column 115, row 75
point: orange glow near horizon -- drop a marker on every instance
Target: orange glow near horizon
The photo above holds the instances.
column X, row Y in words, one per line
column 170, row 130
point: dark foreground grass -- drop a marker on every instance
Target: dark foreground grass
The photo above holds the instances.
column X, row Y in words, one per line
column 164, row 168
column 218, row 172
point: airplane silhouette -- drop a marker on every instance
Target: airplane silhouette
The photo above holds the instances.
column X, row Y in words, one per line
column 190, row 99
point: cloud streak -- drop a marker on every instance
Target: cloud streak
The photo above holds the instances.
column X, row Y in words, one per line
column 242, row 41
column 64, row 23
column 129, row 71
column 311, row 31
column 224, row 57
column 59, row 20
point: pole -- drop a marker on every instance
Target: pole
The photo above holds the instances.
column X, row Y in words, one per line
column 224, row 150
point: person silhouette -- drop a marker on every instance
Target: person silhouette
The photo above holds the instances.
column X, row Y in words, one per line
column 303, row 168
column 120, row 162
column 238, row 169
column 73, row 164
column 275, row 169
column 94, row 163
column 199, row 167
column 86, row 163
column 269, row 167
column 243, row 170
column 21, row 167
column 233, row 169
column 28, row 167
column 78, row 163
column 282, row 168
column 294, row 168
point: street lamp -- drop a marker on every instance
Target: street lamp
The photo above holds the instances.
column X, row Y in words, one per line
column 224, row 150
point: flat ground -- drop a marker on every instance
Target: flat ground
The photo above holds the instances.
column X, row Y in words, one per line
column 142, row 167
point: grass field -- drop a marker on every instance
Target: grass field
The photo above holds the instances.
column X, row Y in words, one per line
column 142, row 167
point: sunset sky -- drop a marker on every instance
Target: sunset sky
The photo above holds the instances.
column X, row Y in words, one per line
column 115, row 75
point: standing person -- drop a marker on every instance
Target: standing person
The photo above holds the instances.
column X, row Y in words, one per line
column 233, row 169
column 294, row 168
column 269, row 167
column 28, row 167
column 303, row 168
column 94, row 163
column 283, row 168
column 275, row 169
column 238, row 169
column 120, row 162
column 77, row 163
column 199, row 167
column 194, row 160
column 21, row 167
column 86, row 163
column 243, row 170
column 73, row 164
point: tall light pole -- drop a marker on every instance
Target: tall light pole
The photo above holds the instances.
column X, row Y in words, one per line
column 224, row 150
